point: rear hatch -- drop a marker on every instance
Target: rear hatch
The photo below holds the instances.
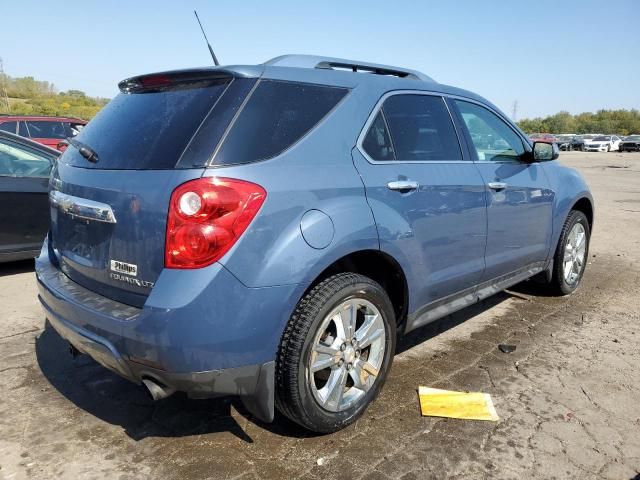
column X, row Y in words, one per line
column 111, row 188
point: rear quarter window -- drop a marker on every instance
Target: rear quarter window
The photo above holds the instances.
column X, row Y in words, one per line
column 276, row 116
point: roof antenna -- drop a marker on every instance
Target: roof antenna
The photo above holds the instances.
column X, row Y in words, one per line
column 213, row 55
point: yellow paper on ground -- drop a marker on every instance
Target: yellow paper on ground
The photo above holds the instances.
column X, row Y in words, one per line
column 466, row 405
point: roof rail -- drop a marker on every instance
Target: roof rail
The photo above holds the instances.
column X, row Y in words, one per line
column 328, row 63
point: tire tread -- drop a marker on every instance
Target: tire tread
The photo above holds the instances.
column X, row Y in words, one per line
column 287, row 398
column 557, row 285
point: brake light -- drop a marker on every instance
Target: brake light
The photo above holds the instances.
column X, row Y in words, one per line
column 206, row 217
column 155, row 81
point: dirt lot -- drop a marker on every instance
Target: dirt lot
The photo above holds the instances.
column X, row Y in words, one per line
column 568, row 397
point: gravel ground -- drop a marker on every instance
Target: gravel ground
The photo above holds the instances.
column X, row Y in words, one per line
column 567, row 397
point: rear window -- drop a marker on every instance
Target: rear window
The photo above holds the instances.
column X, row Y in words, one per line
column 147, row 129
column 276, row 116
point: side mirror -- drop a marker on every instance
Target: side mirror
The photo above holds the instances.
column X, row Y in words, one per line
column 544, row 152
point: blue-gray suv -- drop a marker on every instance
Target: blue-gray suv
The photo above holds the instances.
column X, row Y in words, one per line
column 269, row 231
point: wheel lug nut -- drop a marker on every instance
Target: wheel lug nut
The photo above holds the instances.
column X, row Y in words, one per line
column 343, row 347
column 357, row 353
column 340, row 363
column 349, row 366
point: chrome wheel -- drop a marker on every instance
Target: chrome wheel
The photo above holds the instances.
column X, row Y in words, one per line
column 574, row 254
column 347, row 354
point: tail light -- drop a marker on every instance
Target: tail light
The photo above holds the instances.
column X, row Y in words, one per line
column 206, row 217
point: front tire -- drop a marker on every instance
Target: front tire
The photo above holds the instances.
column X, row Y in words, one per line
column 335, row 353
column 571, row 255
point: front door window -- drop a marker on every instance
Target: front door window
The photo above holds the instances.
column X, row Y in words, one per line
column 493, row 139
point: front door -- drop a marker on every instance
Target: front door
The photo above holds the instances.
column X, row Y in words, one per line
column 24, row 204
column 427, row 197
column 519, row 199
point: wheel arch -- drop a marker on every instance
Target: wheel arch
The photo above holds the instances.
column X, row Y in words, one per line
column 585, row 206
column 380, row 267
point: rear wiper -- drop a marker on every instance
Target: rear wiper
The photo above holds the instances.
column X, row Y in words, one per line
column 85, row 150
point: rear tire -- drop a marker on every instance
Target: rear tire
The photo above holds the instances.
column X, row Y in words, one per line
column 572, row 252
column 335, row 353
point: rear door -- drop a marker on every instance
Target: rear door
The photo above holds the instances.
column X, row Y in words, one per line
column 108, row 217
column 24, row 211
column 427, row 198
column 519, row 198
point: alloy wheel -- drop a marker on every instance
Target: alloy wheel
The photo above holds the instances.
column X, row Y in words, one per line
column 347, row 354
column 574, row 254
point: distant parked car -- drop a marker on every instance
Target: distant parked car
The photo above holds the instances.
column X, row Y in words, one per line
column 24, row 203
column 49, row 131
column 577, row 143
column 563, row 141
column 630, row 144
column 604, row 143
column 543, row 137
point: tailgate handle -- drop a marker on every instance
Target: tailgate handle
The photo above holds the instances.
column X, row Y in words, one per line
column 82, row 207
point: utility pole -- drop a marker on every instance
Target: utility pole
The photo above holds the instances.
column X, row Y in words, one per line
column 514, row 111
column 4, row 97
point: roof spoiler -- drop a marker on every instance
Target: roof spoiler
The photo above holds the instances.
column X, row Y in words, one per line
column 155, row 82
column 328, row 63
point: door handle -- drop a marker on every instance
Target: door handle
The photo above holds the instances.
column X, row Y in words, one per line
column 403, row 185
column 497, row 185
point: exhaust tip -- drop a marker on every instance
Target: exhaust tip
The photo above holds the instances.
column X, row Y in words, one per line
column 157, row 390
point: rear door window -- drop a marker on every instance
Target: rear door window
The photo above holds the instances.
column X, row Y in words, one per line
column 421, row 128
column 377, row 142
column 147, row 129
column 276, row 116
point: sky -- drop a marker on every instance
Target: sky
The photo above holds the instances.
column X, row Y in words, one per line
column 574, row 55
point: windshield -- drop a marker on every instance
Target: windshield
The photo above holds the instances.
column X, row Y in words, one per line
column 602, row 139
column 49, row 129
column 633, row 137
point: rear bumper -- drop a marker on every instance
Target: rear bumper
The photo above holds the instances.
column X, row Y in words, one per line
column 254, row 384
column 216, row 341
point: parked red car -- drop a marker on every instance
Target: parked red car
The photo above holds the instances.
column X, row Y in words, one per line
column 543, row 137
column 49, row 131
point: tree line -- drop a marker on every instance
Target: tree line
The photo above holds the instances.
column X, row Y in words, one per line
column 606, row 122
column 28, row 96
